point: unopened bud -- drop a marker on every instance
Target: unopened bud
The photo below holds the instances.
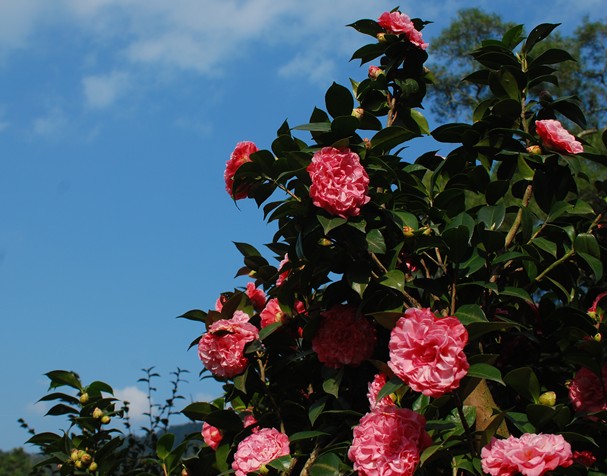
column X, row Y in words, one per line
column 427, row 230
column 358, row 113
column 407, row 231
column 93, row 466
column 381, row 37
column 74, row 455
column 79, row 464
column 184, row 472
column 367, row 143
column 252, row 273
column 84, row 398
column 86, row 458
column 598, row 337
column 548, row 399
column 325, row 242
column 534, row 149
column 97, row 412
column 375, row 72
column 105, row 419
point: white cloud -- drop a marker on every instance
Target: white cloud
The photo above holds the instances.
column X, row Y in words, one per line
column 51, row 124
column 103, row 90
column 138, row 401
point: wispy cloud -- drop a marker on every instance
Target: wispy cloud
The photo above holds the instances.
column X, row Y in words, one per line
column 103, row 90
column 51, row 124
column 138, row 401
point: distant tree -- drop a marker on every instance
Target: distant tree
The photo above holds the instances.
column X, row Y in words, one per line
column 15, row 463
column 585, row 78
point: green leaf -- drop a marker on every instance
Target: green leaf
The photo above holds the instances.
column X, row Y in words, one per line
column 552, row 56
column 469, row 313
column 451, row 133
column 390, row 137
column 492, row 216
column 326, row 465
column 486, row 371
column 524, row 381
column 314, row 127
column 538, row 34
column 587, row 243
column 60, row 378
column 329, row 224
column 367, row 27
column 478, row 329
column 595, row 265
column 331, row 383
column 198, row 410
column 339, row 100
column 306, row 435
column 394, row 279
column 391, row 386
column 246, row 249
column 375, row 242
column 545, row 245
column 165, row 445
column 516, row 292
column 269, row 329
column 282, row 463
column 421, row 121
column 316, row 410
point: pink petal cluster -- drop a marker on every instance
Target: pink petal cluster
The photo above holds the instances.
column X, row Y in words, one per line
column 586, row 391
column 388, row 442
column 375, row 387
column 399, row 23
column 272, row 313
column 285, row 274
column 211, row 435
column 239, row 156
column 256, row 295
column 554, row 136
column 530, row 455
column 427, row 353
column 375, row 72
column 258, row 449
column 339, row 182
column 343, row 337
column 221, row 349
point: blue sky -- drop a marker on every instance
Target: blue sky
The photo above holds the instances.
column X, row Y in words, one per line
column 116, row 119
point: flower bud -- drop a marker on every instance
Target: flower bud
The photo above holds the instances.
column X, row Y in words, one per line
column 184, row 472
column 381, row 37
column 93, row 466
column 84, row 398
column 86, row 458
column 105, row 419
column 367, row 143
column 534, row 149
column 375, row 72
column 358, row 113
column 598, row 337
column 97, row 412
column 74, row 455
column 407, row 231
column 548, row 399
column 79, row 464
column 325, row 242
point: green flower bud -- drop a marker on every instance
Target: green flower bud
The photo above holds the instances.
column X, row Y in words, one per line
column 97, row 412
column 84, row 398
column 93, row 466
column 548, row 399
column 105, row 419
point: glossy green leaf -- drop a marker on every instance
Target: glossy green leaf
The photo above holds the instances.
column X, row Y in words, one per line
column 524, row 381
column 485, row 371
column 60, row 378
column 538, row 34
column 165, row 445
column 375, row 242
column 390, row 137
column 394, row 279
column 469, row 313
column 326, row 464
column 306, row 435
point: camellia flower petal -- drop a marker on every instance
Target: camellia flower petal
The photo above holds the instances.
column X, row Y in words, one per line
column 343, row 337
column 258, row 449
column 555, row 137
column 427, row 352
column 272, row 313
column 239, row 156
column 398, row 23
column 211, row 435
column 586, row 391
column 530, row 455
column 221, row 349
column 375, row 387
column 339, row 182
column 388, row 442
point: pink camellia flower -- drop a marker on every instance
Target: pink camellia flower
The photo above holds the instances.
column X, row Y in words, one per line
column 258, row 449
column 239, row 156
column 343, row 338
column 375, row 387
column 211, row 435
column 221, row 349
column 256, row 295
column 388, row 442
column 398, row 23
column 427, row 353
column 554, row 136
column 339, row 183
column 530, row 455
column 285, row 274
column 220, row 302
column 586, row 391
column 272, row 313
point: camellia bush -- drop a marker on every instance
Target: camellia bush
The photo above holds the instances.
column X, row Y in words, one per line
column 428, row 315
